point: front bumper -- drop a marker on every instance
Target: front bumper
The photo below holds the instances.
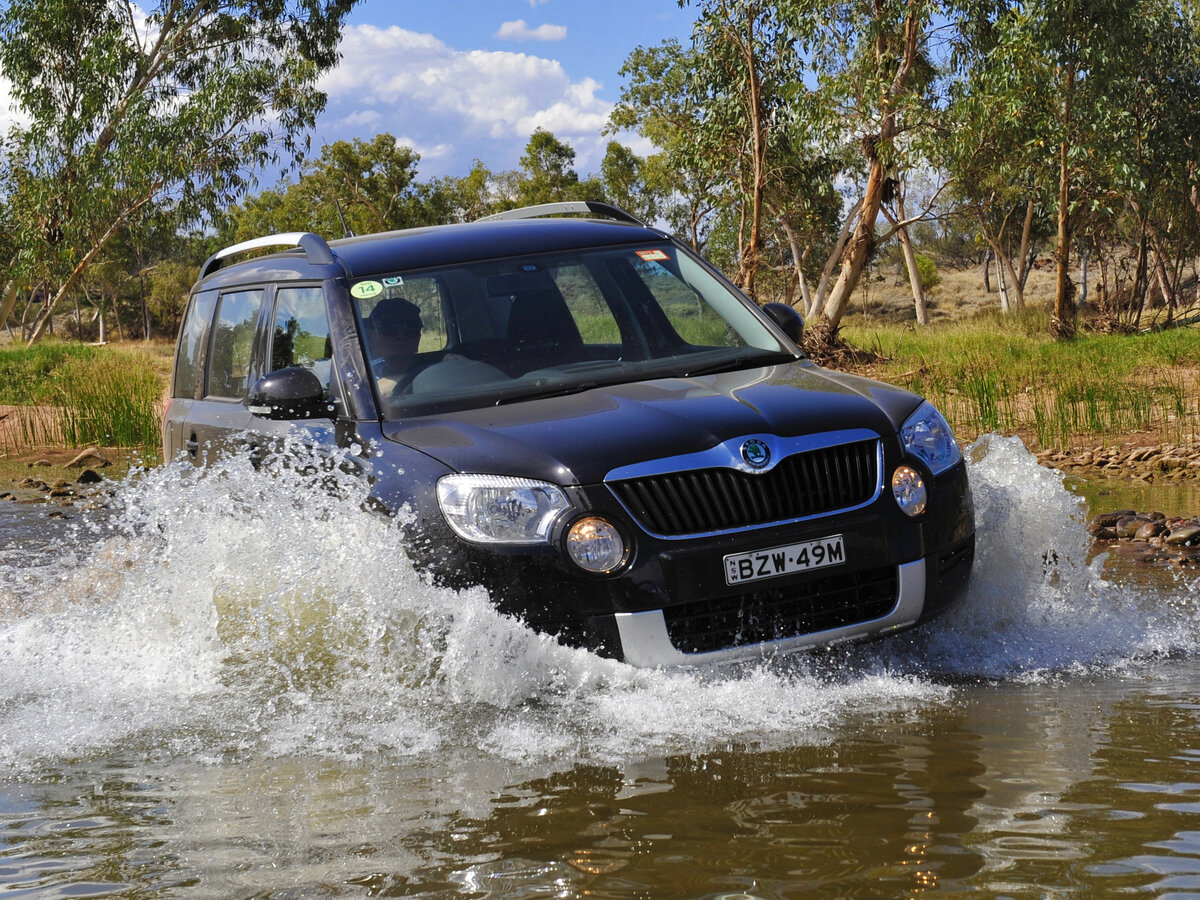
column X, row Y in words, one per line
column 645, row 640
column 673, row 605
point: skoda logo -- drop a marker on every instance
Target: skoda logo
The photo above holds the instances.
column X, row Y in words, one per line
column 756, row 453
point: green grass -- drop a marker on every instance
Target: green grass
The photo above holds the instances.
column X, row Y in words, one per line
column 994, row 373
column 75, row 395
column 1006, row 374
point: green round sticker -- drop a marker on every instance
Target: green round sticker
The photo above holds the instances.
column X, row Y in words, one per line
column 365, row 290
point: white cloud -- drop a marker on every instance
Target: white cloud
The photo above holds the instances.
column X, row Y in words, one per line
column 455, row 105
column 10, row 115
column 519, row 30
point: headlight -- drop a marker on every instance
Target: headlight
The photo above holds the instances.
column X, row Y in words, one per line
column 497, row 509
column 909, row 490
column 927, row 437
column 595, row 545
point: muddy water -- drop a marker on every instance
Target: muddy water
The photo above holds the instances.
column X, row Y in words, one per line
column 234, row 686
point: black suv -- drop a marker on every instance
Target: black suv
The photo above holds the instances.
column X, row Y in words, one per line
column 587, row 419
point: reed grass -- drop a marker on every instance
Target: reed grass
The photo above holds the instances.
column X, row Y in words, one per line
column 1005, row 374
column 70, row 395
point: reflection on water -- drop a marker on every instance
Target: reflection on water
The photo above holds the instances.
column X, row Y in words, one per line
column 222, row 691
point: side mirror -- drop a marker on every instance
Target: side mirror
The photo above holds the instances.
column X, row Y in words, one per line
column 291, row 393
column 787, row 318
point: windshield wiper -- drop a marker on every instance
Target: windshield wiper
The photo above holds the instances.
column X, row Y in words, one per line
column 729, row 364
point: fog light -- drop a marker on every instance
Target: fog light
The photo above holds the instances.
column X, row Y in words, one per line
column 595, row 545
column 909, row 490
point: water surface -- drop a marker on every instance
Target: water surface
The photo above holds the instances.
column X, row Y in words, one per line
column 233, row 685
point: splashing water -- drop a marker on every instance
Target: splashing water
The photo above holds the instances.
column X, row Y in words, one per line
column 230, row 612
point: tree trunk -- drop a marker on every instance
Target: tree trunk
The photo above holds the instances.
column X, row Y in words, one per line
column 818, row 301
column 751, row 249
column 798, row 258
column 1026, row 255
column 7, row 301
column 1011, row 284
column 910, row 259
column 1083, row 278
column 987, row 270
column 1062, row 324
column 861, row 247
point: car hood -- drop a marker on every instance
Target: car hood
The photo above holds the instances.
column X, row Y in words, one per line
column 579, row 438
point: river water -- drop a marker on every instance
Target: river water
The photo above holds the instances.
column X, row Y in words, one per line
column 233, row 685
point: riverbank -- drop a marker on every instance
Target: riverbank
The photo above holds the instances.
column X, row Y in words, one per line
column 62, row 475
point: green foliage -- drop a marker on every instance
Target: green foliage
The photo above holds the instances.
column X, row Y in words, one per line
column 927, row 272
column 26, row 374
column 546, row 164
column 86, row 395
column 986, row 375
column 370, row 185
column 174, row 111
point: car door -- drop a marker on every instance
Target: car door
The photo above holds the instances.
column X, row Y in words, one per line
column 187, row 382
column 217, row 422
column 299, row 335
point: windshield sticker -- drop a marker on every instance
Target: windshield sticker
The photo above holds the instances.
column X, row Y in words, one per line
column 393, row 281
column 365, row 290
column 653, row 255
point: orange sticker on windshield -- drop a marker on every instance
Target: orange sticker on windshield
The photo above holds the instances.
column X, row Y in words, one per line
column 652, row 255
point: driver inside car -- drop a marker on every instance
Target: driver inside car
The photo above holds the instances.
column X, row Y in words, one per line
column 394, row 333
column 394, row 329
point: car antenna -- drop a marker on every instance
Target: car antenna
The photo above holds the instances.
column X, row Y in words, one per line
column 346, row 232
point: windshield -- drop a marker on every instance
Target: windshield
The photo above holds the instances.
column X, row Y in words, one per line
column 501, row 331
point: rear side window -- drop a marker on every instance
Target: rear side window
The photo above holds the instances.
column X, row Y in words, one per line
column 189, row 363
column 300, row 336
column 233, row 343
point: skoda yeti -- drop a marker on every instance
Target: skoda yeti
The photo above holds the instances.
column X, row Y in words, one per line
column 584, row 417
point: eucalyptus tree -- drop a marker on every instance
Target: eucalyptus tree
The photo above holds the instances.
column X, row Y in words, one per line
column 660, row 103
column 993, row 148
column 626, row 183
column 745, row 67
column 547, row 173
column 360, row 187
column 1074, row 115
column 126, row 106
column 1149, row 175
column 1070, row 53
column 871, row 76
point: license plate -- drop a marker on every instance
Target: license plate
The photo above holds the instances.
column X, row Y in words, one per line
column 759, row 564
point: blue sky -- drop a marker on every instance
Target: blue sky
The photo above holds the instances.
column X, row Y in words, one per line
column 461, row 80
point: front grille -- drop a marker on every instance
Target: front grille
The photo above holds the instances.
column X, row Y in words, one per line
column 835, row 601
column 719, row 499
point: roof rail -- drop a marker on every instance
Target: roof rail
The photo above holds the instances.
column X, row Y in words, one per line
column 314, row 246
column 566, row 206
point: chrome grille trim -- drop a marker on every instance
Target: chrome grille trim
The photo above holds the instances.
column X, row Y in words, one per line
column 817, row 479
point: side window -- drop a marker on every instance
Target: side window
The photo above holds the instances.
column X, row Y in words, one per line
column 232, row 343
column 189, row 362
column 300, row 336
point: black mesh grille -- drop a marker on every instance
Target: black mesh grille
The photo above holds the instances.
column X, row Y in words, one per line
column 719, row 499
column 766, row 615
